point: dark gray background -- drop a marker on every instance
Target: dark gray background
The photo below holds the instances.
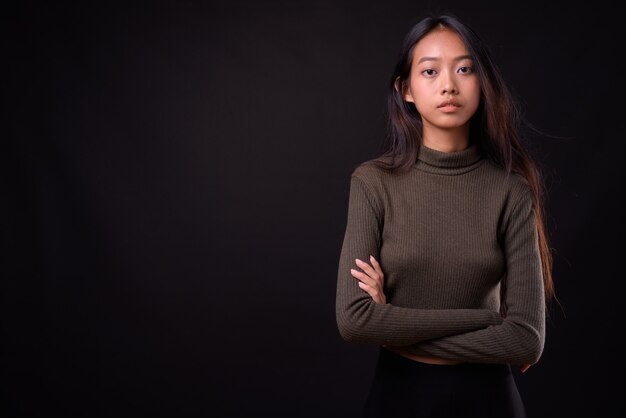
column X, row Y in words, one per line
column 175, row 184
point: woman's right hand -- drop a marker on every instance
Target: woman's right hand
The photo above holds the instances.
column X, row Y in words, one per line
column 371, row 279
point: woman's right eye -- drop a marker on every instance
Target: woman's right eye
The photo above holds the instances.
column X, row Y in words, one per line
column 429, row 72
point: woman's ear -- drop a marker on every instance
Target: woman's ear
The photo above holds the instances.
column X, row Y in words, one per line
column 396, row 83
column 401, row 87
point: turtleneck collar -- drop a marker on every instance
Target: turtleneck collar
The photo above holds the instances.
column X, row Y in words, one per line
column 449, row 163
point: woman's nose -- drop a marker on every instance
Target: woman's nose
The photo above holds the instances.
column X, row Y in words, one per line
column 448, row 84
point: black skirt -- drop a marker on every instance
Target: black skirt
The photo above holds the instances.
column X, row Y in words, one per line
column 406, row 388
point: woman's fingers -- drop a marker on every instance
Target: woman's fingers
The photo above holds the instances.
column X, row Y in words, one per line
column 374, row 273
column 371, row 279
column 376, row 265
column 374, row 292
column 364, row 277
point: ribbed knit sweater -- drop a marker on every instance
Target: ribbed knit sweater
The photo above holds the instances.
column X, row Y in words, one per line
column 448, row 234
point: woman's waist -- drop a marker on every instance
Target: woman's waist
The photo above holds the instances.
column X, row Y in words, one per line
column 421, row 358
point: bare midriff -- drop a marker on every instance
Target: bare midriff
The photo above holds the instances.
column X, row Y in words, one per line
column 423, row 359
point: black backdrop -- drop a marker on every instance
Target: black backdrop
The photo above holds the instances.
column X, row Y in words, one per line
column 174, row 197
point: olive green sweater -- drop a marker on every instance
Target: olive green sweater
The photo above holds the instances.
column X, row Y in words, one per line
column 447, row 234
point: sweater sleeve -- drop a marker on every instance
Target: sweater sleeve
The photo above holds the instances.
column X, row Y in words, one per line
column 520, row 338
column 359, row 318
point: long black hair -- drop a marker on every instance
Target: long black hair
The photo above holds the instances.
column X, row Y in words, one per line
column 495, row 127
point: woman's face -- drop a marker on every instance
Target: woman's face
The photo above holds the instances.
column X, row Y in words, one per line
column 442, row 84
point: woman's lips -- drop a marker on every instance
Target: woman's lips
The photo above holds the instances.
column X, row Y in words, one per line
column 449, row 108
column 449, row 102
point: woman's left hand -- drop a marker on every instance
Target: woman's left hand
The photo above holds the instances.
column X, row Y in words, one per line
column 371, row 279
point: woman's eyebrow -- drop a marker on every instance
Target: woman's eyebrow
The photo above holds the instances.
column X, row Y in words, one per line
column 459, row 58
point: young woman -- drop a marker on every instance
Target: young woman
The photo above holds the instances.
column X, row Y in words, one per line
column 445, row 262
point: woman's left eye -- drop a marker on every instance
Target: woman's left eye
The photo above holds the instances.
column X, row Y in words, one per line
column 465, row 70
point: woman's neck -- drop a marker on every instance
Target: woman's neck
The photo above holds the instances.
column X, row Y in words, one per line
column 446, row 141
